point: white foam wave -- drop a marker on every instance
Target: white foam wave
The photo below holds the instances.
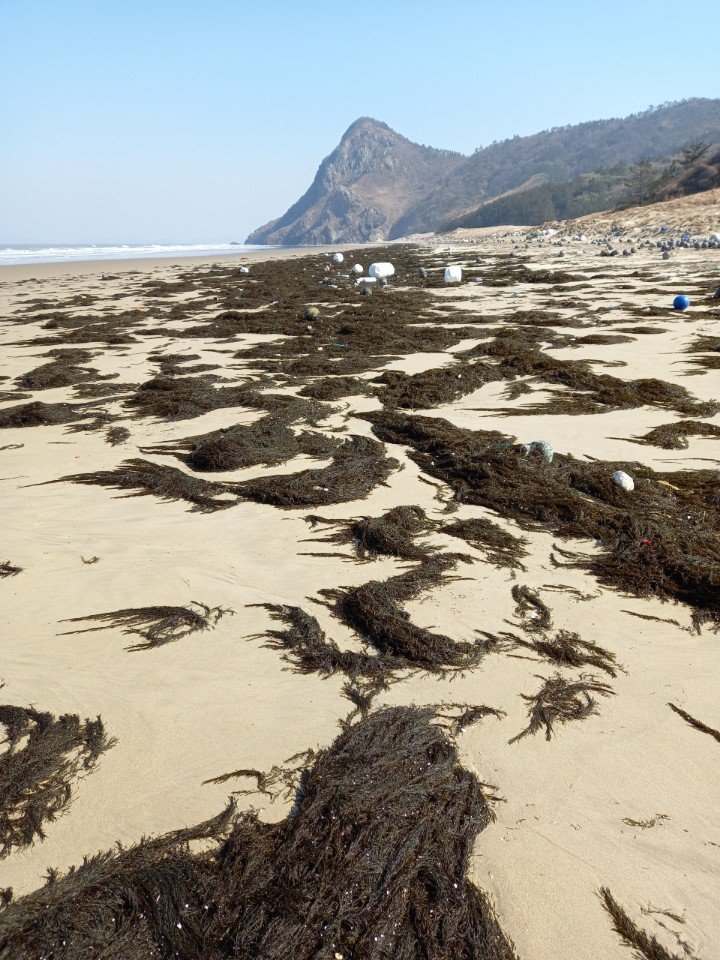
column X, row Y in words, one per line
column 37, row 253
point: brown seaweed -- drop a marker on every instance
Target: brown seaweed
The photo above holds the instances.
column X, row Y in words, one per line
column 384, row 886
column 694, row 722
column 644, row 945
column 156, row 625
column 560, row 701
column 43, row 758
column 500, row 547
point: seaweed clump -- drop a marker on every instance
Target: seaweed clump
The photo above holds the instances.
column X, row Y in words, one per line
column 560, row 701
column 39, row 414
column 674, row 436
column 499, row 546
column 392, row 534
column 393, row 885
column 156, row 625
column 646, row 946
column 8, row 569
column 43, row 757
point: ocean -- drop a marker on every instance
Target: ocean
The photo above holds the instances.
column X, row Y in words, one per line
column 63, row 252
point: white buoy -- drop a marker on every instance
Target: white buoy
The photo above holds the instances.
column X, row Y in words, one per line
column 338, row 258
column 358, row 268
column 453, row 275
column 378, row 270
column 623, row 480
column 243, row 269
column 365, row 280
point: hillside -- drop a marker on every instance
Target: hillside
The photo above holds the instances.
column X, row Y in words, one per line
column 371, row 178
column 377, row 184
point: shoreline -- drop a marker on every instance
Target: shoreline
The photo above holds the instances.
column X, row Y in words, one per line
column 14, row 272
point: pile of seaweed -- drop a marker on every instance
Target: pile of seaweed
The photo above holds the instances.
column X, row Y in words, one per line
column 64, row 370
column 332, row 879
column 674, row 436
column 392, row 534
column 268, row 441
column 43, row 757
column 517, row 353
column 39, row 414
column 661, row 539
column 358, row 465
column 500, row 547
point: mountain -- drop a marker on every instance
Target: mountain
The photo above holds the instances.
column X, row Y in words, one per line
column 369, row 180
column 378, row 185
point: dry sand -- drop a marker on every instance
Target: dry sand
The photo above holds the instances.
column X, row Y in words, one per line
column 218, row 701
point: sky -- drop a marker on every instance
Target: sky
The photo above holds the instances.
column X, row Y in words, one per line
column 199, row 120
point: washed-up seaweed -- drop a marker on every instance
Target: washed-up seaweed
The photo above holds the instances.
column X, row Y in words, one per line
column 694, row 722
column 500, row 547
column 561, row 701
column 375, row 611
column 140, row 478
column 659, row 540
column 39, row 414
column 392, row 534
column 156, row 625
column 674, row 436
column 268, row 441
column 63, row 370
column 333, row 878
column 643, row 944
column 358, row 465
column 529, row 606
column 8, row 569
column 43, row 758
column 565, row 649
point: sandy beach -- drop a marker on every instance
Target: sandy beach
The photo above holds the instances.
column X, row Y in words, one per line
column 147, row 483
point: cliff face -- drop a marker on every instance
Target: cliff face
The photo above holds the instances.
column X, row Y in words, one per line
column 371, row 179
column 378, row 185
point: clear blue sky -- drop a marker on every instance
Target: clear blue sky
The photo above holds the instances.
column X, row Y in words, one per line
column 134, row 120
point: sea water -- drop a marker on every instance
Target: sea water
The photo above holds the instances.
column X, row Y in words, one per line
column 63, row 252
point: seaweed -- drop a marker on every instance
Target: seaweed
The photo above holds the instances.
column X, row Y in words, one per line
column 44, row 756
column 8, row 569
column 156, row 625
column 39, row 414
column 661, row 540
column 140, row 478
column 535, row 614
column 565, row 649
column 560, row 701
column 646, row 947
column 268, row 441
column 117, row 435
column 391, row 535
column 499, row 546
column 375, row 611
column 63, row 370
column 697, row 724
column 358, row 465
column 333, row 878
column 674, row 436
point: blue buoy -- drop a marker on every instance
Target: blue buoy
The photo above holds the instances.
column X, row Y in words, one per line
column 682, row 302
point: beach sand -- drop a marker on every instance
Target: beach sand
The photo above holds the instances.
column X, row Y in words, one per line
column 624, row 799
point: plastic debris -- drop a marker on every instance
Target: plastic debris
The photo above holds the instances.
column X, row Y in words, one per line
column 358, row 268
column 453, row 275
column 540, row 446
column 378, row 270
column 243, row 269
column 681, row 302
column 311, row 313
column 623, row 480
column 338, row 258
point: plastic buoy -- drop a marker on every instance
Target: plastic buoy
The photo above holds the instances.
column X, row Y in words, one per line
column 378, row 270
column 358, row 268
column 623, row 480
column 453, row 275
column 681, row 302
column 338, row 258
